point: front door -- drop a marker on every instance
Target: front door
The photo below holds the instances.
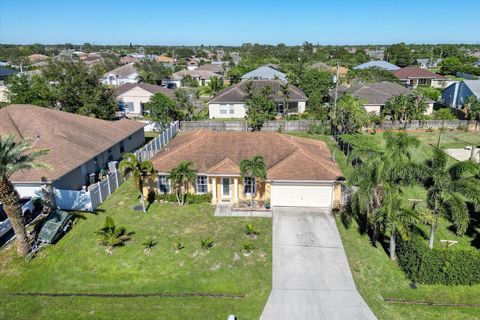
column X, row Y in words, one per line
column 225, row 187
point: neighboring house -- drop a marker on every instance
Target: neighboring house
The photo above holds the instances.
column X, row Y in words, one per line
column 428, row 63
column 5, row 73
column 164, row 59
column 413, row 77
column 121, row 75
column 300, row 171
column 132, row 96
column 457, row 93
column 235, row 57
column 265, row 73
column 201, row 76
column 128, row 59
column 231, row 102
column 92, row 60
column 78, row 145
column 377, row 64
column 34, row 58
column 375, row 54
column 212, row 67
column 192, row 65
column 376, row 94
column 321, row 66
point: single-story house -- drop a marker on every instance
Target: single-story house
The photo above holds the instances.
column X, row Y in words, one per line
column 457, row 93
column 132, row 96
column 428, row 63
column 230, row 102
column 37, row 57
column 213, row 67
column 201, row 76
column 375, row 95
column 375, row 54
column 300, row 171
column 192, row 64
column 266, row 72
column 125, row 74
column 164, row 59
column 415, row 76
column 128, row 59
column 377, row 64
column 78, row 145
column 5, row 73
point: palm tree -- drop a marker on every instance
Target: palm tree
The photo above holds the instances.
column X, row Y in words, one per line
column 286, row 95
column 112, row 236
column 379, row 172
column 16, row 157
column 394, row 219
column 139, row 170
column 213, row 87
column 450, row 189
column 181, row 176
column 255, row 169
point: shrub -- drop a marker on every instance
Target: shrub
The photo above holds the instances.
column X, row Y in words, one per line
column 190, row 198
column 247, row 247
column 148, row 244
column 250, row 230
column 318, row 129
column 177, row 245
column 112, row 236
column 438, row 266
column 206, row 243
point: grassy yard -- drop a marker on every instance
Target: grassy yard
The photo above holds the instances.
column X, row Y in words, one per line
column 77, row 264
column 379, row 279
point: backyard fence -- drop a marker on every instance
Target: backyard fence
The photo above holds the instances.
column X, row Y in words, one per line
column 90, row 198
column 306, row 125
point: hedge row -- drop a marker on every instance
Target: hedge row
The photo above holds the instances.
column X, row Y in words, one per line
column 190, row 198
column 440, row 265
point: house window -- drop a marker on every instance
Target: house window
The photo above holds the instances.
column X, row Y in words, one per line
column 163, row 184
column 128, row 106
column 250, row 185
column 224, row 109
column 422, row 81
column 202, row 184
column 231, row 109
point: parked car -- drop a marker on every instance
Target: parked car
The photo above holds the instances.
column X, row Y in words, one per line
column 27, row 211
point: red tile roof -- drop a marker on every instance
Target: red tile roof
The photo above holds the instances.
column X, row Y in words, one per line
column 286, row 157
column 415, row 72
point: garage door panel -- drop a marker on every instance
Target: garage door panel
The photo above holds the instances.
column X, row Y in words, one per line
column 294, row 195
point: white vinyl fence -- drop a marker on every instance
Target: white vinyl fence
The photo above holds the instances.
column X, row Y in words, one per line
column 95, row 194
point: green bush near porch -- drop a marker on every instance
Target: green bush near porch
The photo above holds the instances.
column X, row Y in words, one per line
column 189, row 198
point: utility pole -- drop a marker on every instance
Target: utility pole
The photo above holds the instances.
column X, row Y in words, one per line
column 337, row 80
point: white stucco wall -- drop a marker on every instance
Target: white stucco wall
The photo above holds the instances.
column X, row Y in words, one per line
column 373, row 109
column 301, row 107
column 214, row 111
column 138, row 96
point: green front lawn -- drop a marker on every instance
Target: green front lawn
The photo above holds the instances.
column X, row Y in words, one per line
column 77, row 264
column 379, row 279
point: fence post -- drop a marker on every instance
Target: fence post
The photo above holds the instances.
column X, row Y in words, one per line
column 108, row 185
column 116, row 178
column 99, row 191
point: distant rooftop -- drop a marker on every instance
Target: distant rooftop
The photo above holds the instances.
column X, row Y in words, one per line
column 377, row 64
column 265, row 73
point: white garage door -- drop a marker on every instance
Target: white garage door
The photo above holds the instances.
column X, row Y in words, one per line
column 301, row 195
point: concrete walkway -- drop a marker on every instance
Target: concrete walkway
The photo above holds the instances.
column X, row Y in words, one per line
column 224, row 209
column 311, row 275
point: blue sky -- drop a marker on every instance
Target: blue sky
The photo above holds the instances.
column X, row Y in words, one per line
column 235, row 22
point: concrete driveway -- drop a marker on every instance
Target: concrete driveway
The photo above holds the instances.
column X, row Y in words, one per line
column 311, row 276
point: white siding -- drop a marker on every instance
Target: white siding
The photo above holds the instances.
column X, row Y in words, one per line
column 296, row 194
column 137, row 96
column 214, row 110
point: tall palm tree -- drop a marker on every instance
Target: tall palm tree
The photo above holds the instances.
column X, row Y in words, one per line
column 16, row 157
column 450, row 189
column 254, row 168
column 286, row 95
column 181, row 176
column 139, row 170
column 213, row 87
column 378, row 174
column 394, row 219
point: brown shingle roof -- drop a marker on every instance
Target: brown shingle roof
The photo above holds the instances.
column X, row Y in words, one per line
column 216, row 68
column 238, row 92
column 286, row 157
column 72, row 139
column 202, row 74
column 123, row 71
column 415, row 72
column 374, row 93
column 145, row 86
